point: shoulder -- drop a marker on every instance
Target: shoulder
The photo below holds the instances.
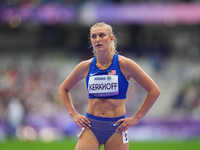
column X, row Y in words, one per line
column 124, row 59
column 85, row 63
column 83, row 66
column 126, row 62
column 127, row 65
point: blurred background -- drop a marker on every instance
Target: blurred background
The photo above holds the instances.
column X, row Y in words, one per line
column 41, row 41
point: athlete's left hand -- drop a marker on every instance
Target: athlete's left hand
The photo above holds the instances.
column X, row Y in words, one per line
column 126, row 123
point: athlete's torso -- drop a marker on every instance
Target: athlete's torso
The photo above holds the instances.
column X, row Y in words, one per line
column 109, row 83
column 112, row 103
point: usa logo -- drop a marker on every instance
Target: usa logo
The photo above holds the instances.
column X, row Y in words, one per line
column 112, row 72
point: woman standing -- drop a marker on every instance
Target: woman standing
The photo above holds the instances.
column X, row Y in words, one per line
column 107, row 75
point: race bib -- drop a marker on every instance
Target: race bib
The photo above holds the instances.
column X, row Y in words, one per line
column 103, row 85
column 125, row 137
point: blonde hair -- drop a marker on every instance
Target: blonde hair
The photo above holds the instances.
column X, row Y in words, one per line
column 103, row 24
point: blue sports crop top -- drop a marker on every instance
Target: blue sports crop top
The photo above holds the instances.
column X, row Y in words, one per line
column 107, row 83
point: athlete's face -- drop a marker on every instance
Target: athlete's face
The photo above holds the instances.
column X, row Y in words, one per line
column 101, row 39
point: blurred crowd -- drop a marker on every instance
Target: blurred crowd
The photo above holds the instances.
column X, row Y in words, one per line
column 26, row 90
column 187, row 101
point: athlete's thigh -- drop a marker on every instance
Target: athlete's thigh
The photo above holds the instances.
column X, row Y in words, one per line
column 116, row 142
column 87, row 141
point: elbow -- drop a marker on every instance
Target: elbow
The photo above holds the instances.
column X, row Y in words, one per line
column 61, row 91
column 156, row 92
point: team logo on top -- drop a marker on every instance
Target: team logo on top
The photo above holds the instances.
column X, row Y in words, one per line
column 112, row 72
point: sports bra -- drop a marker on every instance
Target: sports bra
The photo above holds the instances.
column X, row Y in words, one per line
column 106, row 83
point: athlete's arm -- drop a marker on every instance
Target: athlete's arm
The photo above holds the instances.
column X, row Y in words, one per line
column 132, row 70
column 72, row 79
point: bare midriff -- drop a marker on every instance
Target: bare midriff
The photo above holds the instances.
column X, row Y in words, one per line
column 106, row 107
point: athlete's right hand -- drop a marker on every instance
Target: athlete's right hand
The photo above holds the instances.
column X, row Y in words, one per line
column 81, row 121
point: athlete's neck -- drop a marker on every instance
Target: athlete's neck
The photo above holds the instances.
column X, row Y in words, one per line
column 104, row 60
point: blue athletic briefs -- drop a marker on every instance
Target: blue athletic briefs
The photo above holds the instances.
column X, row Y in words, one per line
column 107, row 83
column 103, row 128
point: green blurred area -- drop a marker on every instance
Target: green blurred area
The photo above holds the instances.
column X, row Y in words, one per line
column 69, row 144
